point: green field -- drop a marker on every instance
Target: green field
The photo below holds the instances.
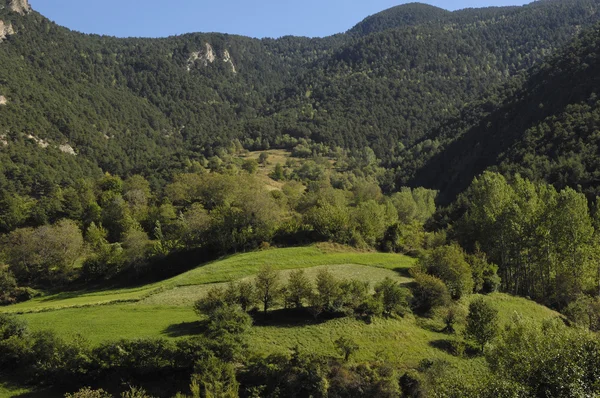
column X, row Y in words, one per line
column 224, row 270
column 164, row 309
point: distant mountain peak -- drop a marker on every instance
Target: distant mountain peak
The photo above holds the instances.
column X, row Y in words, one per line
column 402, row 15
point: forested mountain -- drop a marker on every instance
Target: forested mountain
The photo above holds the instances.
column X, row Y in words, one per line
column 543, row 126
column 151, row 106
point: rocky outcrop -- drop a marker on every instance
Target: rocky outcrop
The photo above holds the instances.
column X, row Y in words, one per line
column 42, row 143
column 66, row 148
column 20, row 6
column 3, row 100
column 5, row 30
column 227, row 59
column 203, row 57
column 208, row 56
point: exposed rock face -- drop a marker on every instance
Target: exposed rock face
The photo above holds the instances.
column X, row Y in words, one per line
column 204, row 57
column 20, row 6
column 42, row 143
column 208, row 56
column 5, row 30
column 3, row 100
column 227, row 59
column 66, row 148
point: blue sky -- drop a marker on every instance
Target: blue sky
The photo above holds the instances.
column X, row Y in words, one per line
column 260, row 18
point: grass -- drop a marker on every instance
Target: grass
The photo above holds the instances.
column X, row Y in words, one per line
column 224, row 270
column 112, row 322
column 164, row 310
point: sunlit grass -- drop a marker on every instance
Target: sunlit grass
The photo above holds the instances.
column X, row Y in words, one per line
column 224, row 270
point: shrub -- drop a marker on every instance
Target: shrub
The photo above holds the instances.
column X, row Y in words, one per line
column 395, row 299
column 429, row 292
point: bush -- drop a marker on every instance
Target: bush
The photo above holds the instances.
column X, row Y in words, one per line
column 395, row 299
column 448, row 263
column 429, row 292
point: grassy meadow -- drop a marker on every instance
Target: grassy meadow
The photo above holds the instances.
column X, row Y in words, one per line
column 164, row 310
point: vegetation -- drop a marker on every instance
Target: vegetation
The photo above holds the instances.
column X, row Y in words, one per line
column 171, row 226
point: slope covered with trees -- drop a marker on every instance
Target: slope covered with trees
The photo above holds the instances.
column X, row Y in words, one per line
column 151, row 105
column 542, row 125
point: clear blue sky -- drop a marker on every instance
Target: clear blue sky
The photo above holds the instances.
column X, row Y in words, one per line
column 258, row 18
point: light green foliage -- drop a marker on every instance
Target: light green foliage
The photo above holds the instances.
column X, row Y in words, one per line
column 328, row 294
column 215, row 379
column 47, row 253
column 346, row 347
column 414, row 204
column 547, row 359
column 87, row 392
column 541, row 239
column 371, row 221
column 482, row 322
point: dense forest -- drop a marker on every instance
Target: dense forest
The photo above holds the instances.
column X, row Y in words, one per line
column 464, row 141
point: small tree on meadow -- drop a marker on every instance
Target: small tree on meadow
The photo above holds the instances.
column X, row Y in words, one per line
column 263, row 158
column 328, row 290
column 482, row 322
column 346, row 347
column 267, row 285
column 299, row 288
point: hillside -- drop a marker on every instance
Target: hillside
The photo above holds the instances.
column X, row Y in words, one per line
column 150, row 105
column 164, row 310
column 543, row 127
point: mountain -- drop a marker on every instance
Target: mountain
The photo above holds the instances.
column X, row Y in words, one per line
column 544, row 127
column 75, row 105
column 400, row 16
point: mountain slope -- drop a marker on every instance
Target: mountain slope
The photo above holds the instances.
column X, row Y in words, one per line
column 547, row 128
column 94, row 103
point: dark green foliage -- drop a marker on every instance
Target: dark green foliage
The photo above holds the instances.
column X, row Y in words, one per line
column 541, row 125
column 429, row 292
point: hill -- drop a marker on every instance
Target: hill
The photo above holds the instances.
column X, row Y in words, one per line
column 164, row 310
column 543, row 127
column 399, row 16
column 92, row 104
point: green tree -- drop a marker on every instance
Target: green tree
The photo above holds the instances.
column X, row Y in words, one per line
column 215, row 378
column 346, row 346
column 267, row 286
column 250, row 166
column 298, row 288
column 396, row 300
column 429, row 292
column 482, row 322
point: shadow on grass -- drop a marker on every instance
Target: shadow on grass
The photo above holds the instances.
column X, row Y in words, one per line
column 403, row 271
column 291, row 318
column 455, row 348
column 184, row 329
